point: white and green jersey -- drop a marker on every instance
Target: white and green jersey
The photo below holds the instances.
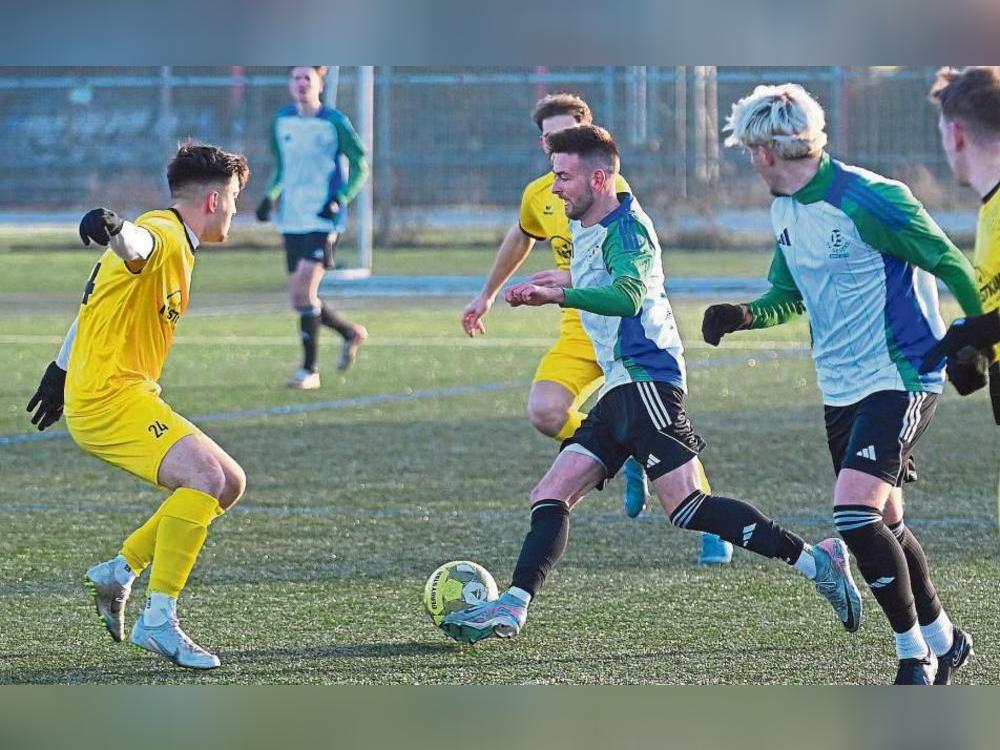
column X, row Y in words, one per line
column 618, row 288
column 859, row 254
column 307, row 173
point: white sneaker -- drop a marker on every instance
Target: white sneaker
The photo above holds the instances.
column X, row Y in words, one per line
column 304, row 380
column 170, row 641
column 110, row 593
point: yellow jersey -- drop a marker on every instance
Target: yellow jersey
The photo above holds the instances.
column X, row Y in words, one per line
column 127, row 316
column 987, row 255
column 543, row 216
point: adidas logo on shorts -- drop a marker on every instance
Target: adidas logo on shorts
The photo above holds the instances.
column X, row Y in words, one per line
column 868, row 453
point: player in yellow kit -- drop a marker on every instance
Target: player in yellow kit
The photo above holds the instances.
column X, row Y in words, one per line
column 107, row 371
column 568, row 373
column 969, row 102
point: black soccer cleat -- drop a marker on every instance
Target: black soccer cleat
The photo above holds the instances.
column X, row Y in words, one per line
column 916, row 671
column 956, row 658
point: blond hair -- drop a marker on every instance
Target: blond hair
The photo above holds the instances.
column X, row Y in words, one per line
column 784, row 118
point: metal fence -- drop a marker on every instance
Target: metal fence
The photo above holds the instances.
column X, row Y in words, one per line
column 450, row 145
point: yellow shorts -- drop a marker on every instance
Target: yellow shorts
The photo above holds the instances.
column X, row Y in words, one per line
column 132, row 431
column 571, row 361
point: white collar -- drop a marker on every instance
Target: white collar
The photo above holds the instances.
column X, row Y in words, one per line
column 192, row 238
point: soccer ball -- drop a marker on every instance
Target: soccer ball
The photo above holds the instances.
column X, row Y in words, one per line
column 457, row 585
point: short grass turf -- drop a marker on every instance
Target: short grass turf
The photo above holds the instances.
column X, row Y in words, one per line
column 316, row 576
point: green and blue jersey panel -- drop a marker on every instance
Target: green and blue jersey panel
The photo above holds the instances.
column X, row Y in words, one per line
column 618, row 286
column 308, row 173
column 859, row 254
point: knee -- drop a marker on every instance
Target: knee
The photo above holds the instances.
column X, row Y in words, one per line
column 234, row 487
column 301, row 301
column 547, row 418
column 209, row 476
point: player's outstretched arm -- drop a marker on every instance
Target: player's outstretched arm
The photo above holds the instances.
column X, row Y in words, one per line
column 104, row 227
column 779, row 304
column 513, row 250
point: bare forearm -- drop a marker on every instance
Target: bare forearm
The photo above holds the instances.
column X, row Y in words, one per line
column 513, row 250
column 132, row 243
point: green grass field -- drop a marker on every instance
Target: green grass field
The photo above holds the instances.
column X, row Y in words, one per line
column 316, row 576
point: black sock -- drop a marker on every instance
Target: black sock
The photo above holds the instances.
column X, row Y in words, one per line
column 738, row 522
column 309, row 325
column 881, row 561
column 924, row 594
column 543, row 546
column 331, row 319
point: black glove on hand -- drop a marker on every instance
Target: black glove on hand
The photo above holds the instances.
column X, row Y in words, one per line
column 49, row 397
column 330, row 210
column 967, row 370
column 100, row 225
column 722, row 319
column 978, row 332
column 264, row 209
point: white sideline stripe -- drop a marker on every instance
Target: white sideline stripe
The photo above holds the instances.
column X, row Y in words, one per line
column 363, row 401
column 10, row 339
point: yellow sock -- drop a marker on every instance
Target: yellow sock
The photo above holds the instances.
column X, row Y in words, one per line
column 573, row 421
column 137, row 549
column 183, row 528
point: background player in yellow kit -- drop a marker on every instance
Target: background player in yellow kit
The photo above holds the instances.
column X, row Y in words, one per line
column 110, row 362
column 969, row 100
column 568, row 373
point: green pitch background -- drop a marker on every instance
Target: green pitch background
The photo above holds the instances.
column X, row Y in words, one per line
column 317, row 574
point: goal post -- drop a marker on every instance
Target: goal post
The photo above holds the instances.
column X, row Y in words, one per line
column 362, row 208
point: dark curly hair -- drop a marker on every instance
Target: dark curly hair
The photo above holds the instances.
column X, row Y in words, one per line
column 200, row 164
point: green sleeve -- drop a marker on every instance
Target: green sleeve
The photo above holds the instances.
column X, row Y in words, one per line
column 629, row 264
column 782, row 302
column 892, row 220
column 350, row 145
column 273, row 189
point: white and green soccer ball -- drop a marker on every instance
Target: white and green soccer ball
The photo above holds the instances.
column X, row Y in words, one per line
column 457, row 585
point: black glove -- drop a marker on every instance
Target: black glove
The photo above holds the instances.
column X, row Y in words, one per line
column 995, row 390
column 967, row 370
column 722, row 319
column 978, row 332
column 264, row 209
column 49, row 397
column 330, row 210
column 100, row 225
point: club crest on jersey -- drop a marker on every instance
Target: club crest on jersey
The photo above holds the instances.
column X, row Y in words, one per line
column 837, row 244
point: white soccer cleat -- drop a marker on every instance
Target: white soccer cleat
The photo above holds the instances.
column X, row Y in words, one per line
column 304, row 380
column 110, row 594
column 171, row 642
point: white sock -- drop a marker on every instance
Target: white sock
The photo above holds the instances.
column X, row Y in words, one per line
column 521, row 594
column 806, row 564
column 939, row 634
column 159, row 609
column 124, row 575
column 911, row 644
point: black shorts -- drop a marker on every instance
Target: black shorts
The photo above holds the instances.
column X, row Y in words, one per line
column 644, row 420
column 878, row 433
column 311, row 246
